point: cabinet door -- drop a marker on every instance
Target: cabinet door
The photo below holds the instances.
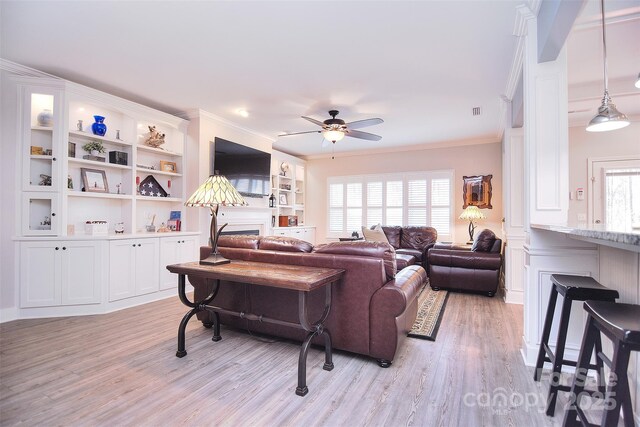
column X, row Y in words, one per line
column 169, row 250
column 81, row 272
column 189, row 249
column 42, row 130
column 147, row 260
column 40, row 214
column 121, row 269
column 39, row 274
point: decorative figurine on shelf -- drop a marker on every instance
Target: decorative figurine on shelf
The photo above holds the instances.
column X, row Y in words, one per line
column 152, row 228
column 45, row 180
column 119, row 227
column 118, row 134
column 79, row 126
column 137, row 185
column 163, row 228
column 272, row 201
column 99, row 128
column 69, row 182
column 155, row 138
column 47, row 221
column 118, row 187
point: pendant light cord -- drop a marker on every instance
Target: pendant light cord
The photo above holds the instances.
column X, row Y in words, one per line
column 604, row 46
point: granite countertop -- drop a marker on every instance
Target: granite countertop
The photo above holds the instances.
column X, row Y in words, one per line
column 626, row 240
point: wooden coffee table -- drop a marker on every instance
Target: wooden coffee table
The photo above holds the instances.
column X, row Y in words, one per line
column 292, row 277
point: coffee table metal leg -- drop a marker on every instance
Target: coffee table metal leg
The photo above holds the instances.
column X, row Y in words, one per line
column 195, row 308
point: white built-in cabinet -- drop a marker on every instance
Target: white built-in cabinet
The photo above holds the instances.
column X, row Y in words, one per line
column 61, row 272
column 305, row 233
column 288, row 186
column 175, row 250
column 133, row 268
column 63, row 269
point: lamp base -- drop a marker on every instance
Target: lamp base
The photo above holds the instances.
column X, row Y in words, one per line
column 214, row 259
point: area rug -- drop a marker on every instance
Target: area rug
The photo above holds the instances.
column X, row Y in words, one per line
column 430, row 310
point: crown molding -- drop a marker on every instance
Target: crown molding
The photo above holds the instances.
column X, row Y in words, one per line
column 22, row 70
column 611, row 20
column 198, row 113
column 418, row 147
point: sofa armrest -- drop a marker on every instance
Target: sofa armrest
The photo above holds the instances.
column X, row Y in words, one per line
column 452, row 246
column 465, row 259
column 425, row 256
column 393, row 310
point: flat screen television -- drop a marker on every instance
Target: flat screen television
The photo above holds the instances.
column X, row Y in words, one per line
column 248, row 169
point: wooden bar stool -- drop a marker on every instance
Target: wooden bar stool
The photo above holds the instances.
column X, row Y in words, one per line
column 621, row 324
column 572, row 288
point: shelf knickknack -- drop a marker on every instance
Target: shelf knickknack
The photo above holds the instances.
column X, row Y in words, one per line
column 151, row 188
column 477, row 191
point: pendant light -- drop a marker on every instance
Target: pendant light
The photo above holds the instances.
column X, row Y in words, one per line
column 608, row 117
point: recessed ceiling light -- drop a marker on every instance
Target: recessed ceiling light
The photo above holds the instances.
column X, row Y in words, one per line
column 242, row 112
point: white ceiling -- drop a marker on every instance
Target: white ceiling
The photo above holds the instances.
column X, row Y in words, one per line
column 421, row 66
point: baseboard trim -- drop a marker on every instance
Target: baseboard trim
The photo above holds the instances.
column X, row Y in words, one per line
column 8, row 314
column 514, row 297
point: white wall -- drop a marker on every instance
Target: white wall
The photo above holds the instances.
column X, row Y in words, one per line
column 8, row 173
column 481, row 159
column 584, row 145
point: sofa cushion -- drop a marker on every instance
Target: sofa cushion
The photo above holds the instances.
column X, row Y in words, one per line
column 364, row 248
column 393, row 234
column 418, row 237
column 284, row 244
column 374, row 235
column 403, row 260
column 411, row 252
column 484, row 241
column 239, row 241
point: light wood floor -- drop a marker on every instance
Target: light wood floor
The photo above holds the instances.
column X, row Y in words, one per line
column 121, row 369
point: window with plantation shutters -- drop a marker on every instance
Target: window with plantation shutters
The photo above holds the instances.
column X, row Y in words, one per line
column 410, row 199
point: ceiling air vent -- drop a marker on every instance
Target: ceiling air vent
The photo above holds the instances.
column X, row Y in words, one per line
column 476, row 111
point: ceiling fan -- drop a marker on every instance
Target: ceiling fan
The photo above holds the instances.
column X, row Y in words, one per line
column 335, row 129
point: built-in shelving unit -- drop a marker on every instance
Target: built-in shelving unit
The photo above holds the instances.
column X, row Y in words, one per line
column 288, row 187
column 95, row 250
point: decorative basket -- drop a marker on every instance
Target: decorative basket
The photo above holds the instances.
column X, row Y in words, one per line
column 96, row 228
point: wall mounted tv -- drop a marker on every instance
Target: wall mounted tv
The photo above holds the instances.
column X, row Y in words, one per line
column 248, row 169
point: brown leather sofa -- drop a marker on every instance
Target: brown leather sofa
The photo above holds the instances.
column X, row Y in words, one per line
column 412, row 241
column 472, row 268
column 373, row 306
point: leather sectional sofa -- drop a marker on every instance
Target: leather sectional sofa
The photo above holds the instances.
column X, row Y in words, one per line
column 469, row 268
column 373, row 308
column 412, row 241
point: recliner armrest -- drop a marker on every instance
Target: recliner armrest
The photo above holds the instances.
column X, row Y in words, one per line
column 465, row 259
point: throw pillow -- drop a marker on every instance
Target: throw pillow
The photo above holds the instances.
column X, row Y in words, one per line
column 483, row 241
column 374, row 235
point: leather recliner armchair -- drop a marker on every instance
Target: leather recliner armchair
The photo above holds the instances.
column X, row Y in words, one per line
column 475, row 268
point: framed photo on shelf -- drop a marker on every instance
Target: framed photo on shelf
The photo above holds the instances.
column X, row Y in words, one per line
column 72, row 150
column 283, row 199
column 94, row 180
column 168, row 166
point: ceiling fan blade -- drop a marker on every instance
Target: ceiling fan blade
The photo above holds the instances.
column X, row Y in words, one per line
column 314, row 121
column 299, row 133
column 358, row 124
column 363, row 135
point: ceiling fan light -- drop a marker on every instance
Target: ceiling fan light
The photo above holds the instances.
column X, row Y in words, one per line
column 608, row 118
column 333, row 135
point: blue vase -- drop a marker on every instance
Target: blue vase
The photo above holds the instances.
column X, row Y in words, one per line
column 99, row 128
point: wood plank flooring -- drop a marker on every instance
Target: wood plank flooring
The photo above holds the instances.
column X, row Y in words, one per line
column 120, row 369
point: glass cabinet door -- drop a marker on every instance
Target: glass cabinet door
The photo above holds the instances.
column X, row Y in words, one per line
column 41, row 119
column 41, row 216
